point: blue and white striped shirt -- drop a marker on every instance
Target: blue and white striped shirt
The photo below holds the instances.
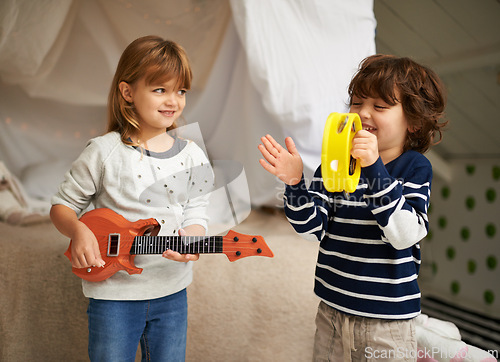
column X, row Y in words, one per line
column 369, row 253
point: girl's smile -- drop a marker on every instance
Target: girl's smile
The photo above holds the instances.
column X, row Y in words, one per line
column 167, row 113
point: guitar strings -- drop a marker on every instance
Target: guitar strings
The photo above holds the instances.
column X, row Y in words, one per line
column 228, row 245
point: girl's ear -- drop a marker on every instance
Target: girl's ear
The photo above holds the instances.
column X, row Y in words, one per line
column 126, row 91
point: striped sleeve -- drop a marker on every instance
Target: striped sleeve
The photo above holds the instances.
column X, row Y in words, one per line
column 307, row 210
column 400, row 207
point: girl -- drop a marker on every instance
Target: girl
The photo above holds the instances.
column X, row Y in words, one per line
column 147, row 97
column 369, row 255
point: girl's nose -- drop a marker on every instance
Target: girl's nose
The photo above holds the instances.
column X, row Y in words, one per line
column 170, row 98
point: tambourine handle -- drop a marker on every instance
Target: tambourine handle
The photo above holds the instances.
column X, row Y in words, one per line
column 339, row 169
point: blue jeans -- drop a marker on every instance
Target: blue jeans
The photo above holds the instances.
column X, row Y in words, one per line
column 116, row 327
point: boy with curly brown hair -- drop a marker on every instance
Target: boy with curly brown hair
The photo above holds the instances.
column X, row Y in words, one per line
column 369, row 253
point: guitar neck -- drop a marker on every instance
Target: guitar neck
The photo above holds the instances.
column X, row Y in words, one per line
column 147, row 245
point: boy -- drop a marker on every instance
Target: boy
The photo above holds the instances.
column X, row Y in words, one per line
column 369, row 254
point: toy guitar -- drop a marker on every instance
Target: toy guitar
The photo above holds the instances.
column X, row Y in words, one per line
column 121, row 240
column 339, row 169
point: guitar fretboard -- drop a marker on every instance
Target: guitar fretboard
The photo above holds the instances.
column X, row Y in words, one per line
column 181, row 244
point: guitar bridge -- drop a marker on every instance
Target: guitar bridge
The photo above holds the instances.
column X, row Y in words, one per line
column 113, row 244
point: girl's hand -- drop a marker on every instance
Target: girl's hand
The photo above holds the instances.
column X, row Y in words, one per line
column 286, row 164
column 84, row 248
column 175, row 256
column 365, row 148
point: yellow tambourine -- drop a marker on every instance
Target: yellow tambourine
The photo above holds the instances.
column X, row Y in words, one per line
column 339, row 169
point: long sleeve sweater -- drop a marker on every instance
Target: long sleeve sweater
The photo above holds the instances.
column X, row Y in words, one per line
column 172, row 187
column 369, row 253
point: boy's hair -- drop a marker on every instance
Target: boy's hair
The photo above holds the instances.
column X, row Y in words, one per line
column 157, row 60
column 418, row 89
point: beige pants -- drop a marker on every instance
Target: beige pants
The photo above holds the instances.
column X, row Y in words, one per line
column 341, row 337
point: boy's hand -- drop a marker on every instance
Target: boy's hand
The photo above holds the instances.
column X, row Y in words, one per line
column 175, row 256
column 85, row 249
column 365, row 148
column 286, row 164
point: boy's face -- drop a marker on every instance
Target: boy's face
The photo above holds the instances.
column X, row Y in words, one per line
column 385, row 121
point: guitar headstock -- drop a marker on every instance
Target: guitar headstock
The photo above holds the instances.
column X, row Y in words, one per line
column 237, row 246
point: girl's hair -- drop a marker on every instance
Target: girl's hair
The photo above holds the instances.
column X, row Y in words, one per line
column 157, row 60
column 418, row 89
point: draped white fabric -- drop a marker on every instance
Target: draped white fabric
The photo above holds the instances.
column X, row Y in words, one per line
column 67, row 50
column 260, row 67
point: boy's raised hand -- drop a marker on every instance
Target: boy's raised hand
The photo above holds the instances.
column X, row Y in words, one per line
column 365, row 148
column 286, row 164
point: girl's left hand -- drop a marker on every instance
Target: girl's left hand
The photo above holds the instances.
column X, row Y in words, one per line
column 175, row 256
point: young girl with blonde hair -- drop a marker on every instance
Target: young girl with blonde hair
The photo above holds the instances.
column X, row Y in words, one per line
column 147, row 97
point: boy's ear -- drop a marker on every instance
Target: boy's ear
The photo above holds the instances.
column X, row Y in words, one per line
column 412, row 128
column 126, row 91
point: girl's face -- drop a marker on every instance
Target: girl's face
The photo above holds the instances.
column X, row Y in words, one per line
column 385, row 121
column 158, row 105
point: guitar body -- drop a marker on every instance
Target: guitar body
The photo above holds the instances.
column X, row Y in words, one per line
column 102, row 222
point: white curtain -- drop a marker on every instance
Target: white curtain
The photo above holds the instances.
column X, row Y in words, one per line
column 260, row 67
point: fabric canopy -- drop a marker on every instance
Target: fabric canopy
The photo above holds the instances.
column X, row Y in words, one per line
column 259, row 66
